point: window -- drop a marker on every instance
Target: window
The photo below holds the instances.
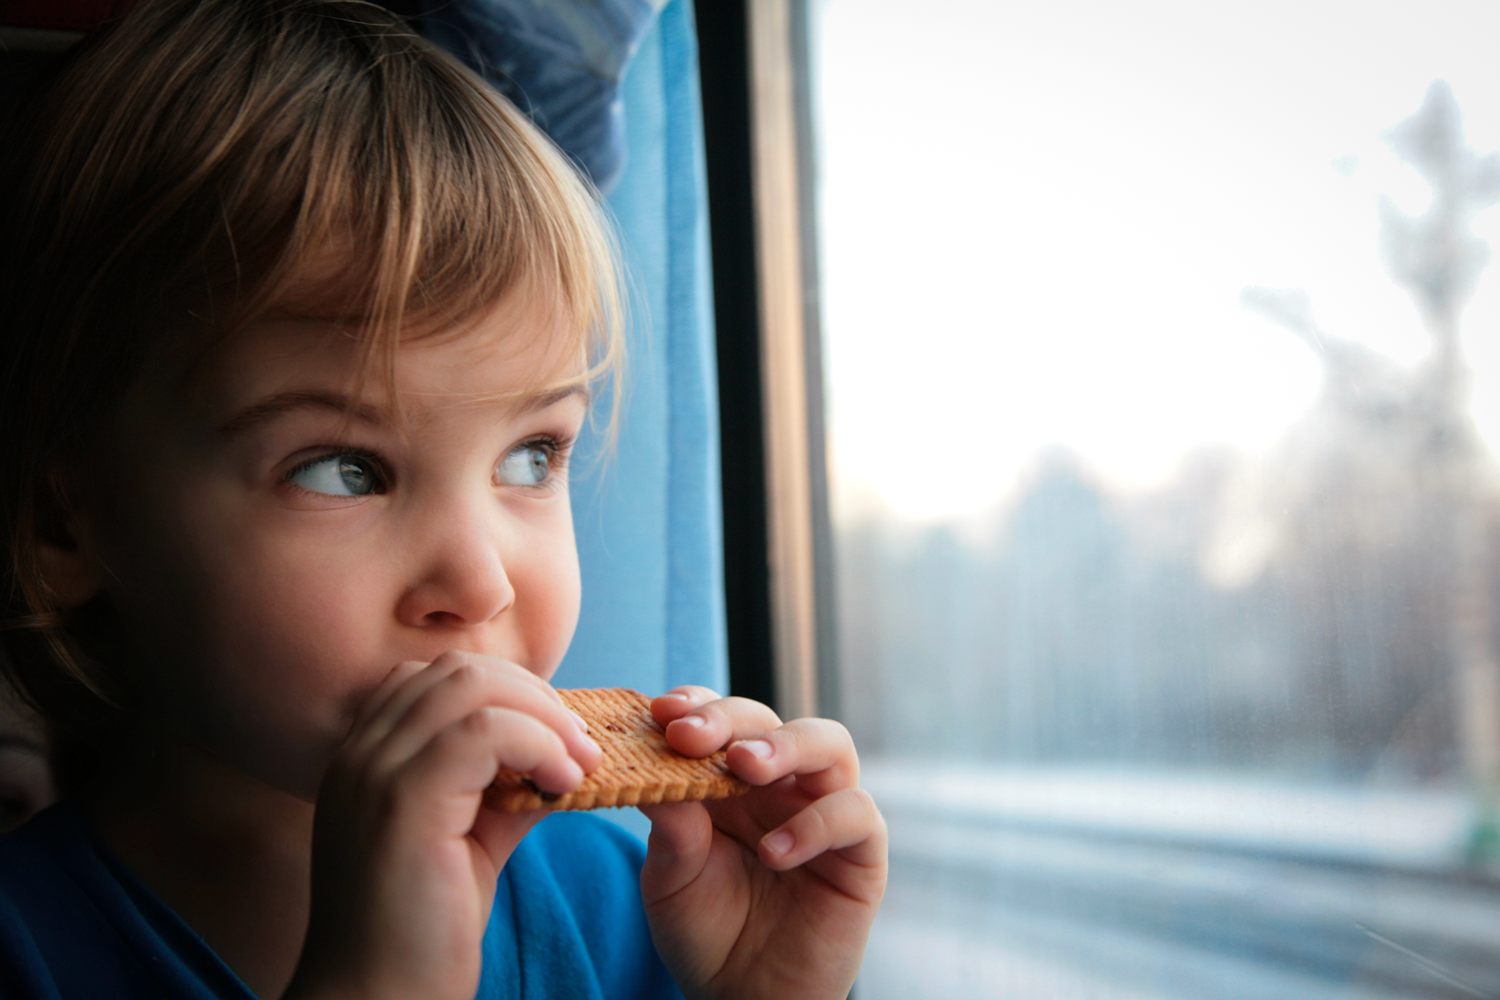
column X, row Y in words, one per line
column 1162, row 347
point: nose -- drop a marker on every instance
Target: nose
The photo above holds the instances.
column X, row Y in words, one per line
column 460, row 580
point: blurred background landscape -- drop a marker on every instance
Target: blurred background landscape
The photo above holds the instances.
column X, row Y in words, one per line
column 1163, row 358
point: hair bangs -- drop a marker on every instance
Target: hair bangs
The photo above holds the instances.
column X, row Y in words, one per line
column 424, row 200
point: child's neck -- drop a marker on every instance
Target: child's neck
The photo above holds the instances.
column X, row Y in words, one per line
column 230, row 854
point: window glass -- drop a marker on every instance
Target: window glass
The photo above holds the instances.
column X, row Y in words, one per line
column 1162, row 345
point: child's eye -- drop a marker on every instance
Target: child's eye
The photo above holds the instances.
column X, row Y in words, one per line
column 526, row 465
column 338, row 475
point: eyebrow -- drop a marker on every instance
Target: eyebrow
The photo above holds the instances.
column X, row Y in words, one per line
column 286, row 402
column 546, row 399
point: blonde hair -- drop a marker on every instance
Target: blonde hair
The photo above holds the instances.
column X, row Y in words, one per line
column 201, row 164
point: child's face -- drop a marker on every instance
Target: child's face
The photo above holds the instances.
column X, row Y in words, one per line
column 273, row 558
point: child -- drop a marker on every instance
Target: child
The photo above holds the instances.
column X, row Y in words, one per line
column 300, row 323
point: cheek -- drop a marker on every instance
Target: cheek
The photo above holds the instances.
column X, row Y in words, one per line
column 302, row 617
column 297, row 643
column 289, row 628
column 548, row 595
column 242, row 634
column 299, row 607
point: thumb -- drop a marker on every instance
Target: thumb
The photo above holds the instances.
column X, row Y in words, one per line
column 499, row 833
column 677, row 850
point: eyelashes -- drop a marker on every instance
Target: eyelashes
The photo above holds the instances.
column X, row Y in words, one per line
column 350, row 472
column 537, row 463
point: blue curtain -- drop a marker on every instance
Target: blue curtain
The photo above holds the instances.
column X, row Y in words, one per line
column 647, row 517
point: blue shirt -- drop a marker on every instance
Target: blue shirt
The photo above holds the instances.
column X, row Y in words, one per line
column 567, row 922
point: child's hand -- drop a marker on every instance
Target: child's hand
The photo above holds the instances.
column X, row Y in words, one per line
column 770, row 894
column 404, row 859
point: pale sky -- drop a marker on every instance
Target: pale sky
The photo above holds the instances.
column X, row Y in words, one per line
column 1038, row 218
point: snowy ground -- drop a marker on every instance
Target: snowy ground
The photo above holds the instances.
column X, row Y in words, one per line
column 1120, row 886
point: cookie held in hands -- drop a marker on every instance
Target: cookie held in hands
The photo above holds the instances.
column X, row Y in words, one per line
column 638, row 768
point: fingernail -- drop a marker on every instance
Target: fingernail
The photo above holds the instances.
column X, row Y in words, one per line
column 579, row 720
column 760, row 748
column 696, row 721
column 779, row 843
column 676, row 694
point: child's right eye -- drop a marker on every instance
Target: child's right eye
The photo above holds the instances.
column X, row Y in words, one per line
column 338, row 475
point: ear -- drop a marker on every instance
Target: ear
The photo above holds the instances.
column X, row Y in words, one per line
column 70, row 567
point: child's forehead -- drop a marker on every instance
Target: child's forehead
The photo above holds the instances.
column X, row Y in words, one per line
column 515, row 354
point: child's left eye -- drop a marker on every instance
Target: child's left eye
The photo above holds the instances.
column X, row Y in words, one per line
column 338, row 475
column 527, row 465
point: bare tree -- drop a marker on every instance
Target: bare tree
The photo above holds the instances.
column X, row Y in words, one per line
column 1423, row 416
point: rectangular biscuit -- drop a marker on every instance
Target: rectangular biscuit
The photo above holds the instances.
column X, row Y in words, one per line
column 638, row 768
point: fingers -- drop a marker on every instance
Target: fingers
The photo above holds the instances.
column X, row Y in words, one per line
column 819, row 752
column 846, row 821
column 411, row 684
column 441, row 779
column 677, row 849
column 377, row 699
column 415, row 705
column 698, row 722
column 680, row 700
column 498, row 833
